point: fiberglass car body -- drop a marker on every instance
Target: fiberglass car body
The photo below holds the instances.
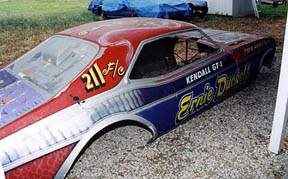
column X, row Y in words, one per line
column 155, row 73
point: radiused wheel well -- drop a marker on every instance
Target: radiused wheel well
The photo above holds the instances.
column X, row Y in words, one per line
column 268, row 57
column 118, row 125
column 112, row 127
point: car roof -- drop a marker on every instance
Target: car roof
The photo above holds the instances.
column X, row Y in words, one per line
column 111, row 32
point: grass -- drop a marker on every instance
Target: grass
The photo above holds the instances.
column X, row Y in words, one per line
column 271, row 23
column 270, row 11
column 25, row 23
column 41, row 7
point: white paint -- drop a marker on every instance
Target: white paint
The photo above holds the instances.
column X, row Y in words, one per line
column 256, row 7
column 280, row 115
column 2, row 176
column 230, row 7
column 38, row 139
column 221, row 7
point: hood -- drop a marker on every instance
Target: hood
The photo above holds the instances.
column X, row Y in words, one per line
column 16, row 98
column 227, row 37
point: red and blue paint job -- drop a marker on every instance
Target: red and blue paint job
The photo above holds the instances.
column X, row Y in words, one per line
column 156, row 73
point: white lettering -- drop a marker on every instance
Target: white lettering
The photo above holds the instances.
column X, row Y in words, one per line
column 203, row 72
column 199, row 74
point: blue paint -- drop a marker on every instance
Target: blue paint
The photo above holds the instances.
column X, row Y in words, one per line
column 6, row 79
column 163, row 115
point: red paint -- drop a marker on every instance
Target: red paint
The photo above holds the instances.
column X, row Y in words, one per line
column 44, row 167
column 120, row 37
column 30, row 71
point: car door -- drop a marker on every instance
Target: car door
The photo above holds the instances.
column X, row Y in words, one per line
column 177, row 77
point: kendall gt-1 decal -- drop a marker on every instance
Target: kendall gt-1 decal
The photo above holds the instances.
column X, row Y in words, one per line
column 204, row 72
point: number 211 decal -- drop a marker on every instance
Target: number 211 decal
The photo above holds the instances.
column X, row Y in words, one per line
column 95, row 77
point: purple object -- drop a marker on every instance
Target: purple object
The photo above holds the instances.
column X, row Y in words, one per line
column 16, row 100
column 6, row 79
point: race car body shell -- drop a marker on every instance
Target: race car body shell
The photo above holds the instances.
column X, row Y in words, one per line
column 114, row 86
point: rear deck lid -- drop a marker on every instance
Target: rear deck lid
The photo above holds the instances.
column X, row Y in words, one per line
column 227, row 37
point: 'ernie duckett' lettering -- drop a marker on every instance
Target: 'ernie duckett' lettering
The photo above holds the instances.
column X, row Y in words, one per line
column 224, row 83
column 190, row 104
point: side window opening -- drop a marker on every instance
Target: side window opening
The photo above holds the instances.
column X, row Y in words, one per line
column 155, row 59
column 168, row 54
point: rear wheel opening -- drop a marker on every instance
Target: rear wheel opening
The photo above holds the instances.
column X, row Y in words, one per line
column 268, row 58
column 111, row 150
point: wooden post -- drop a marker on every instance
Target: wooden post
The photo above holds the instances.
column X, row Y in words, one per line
column 281, row 109
column 257, row 7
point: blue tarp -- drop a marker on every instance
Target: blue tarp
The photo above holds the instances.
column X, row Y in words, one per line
column 169, row 9
column 113, row 5
column 93, row 4
column 197, row 3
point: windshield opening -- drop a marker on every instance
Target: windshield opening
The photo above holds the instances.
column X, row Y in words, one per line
column 54, row 63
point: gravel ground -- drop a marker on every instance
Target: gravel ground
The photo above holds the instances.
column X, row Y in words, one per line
column 229, row 140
